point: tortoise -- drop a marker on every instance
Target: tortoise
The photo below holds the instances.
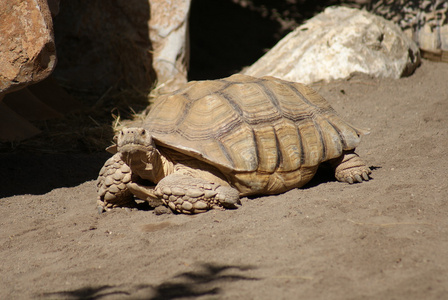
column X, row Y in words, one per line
column 211, row 142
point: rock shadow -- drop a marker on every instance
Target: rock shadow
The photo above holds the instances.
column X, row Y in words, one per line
column 39, row 173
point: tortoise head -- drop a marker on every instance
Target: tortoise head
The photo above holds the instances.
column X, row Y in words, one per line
column 137, row 147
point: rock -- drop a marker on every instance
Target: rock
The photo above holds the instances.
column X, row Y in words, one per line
column 38, row 101
column 168, row 31
column 423, row 21
column 27, row 56
column 337, row 43
column 132, row 44
column 27, row 50
column 13, row 127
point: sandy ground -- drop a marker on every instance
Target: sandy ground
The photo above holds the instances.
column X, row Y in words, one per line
column 383, row 239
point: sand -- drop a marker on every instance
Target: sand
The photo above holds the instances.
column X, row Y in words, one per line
column 382, row 239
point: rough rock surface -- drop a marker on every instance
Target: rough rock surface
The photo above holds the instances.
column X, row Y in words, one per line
column 27, row 56
column 131, row 44
column 27, row 50
column 168, row 31
column 426, row 22
column 338, row 43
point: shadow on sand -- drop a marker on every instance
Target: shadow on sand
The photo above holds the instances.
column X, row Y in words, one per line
column 205, row 280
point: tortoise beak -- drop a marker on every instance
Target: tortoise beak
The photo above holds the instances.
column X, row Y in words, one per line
column 134, row 139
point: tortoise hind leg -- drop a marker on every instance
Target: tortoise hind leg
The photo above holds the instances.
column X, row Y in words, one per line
column 187, row 194
column 350, row 168
column 112, row 184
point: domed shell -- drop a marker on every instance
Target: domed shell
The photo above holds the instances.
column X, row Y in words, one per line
column 247, row 124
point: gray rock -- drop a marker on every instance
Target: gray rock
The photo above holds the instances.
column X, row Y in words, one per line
column 337, row 43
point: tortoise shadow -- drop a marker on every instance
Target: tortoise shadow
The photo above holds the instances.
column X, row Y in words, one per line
column 324, row 174
column 201, row 282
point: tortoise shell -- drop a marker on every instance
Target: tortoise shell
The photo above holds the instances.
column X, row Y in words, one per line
column 265, row 134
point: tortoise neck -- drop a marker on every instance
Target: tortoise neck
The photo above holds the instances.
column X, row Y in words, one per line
column 149, row 165
column 162, row 167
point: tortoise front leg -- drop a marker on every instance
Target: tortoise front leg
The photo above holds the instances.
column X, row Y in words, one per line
column 112, row 184
column 350, row 168
column 186, row 194
column 146, row 193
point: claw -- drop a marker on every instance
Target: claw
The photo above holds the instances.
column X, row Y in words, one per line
column 349, row 180
column 365, row 176
column 228, row 197
column 358, row 178
column 100, row 209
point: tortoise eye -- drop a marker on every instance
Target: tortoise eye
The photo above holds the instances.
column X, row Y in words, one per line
column 143, row 132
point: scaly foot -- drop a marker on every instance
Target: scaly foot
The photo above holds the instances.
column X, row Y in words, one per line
column 111, row 183
column 188, row 195
column 350, row 168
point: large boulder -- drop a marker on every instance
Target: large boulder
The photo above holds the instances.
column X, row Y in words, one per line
column 27, row 56
column 338, row 43
column 27, row 50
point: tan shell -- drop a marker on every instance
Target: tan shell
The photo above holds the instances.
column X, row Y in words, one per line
column 265, row 134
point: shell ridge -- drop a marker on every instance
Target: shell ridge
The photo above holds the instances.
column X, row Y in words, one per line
column 302, row 97
column 228, row 128
column 338, row 131
column 350, row 135
column 226, row 153
column 266, row 91
column 302, row 152
column 186, row 110
column 231, row 101
column 271, row 96
column 257, row 148
column 279, row 161
column 321, row 139
column 277, row 114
